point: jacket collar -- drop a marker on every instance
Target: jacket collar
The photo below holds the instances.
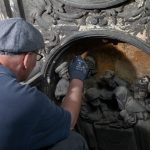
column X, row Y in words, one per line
column 6, row 71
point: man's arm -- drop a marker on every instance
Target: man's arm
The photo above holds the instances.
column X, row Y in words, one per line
column 72, row 100
column 78, row 71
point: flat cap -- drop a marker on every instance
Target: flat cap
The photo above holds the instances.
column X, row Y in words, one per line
column 19, row 36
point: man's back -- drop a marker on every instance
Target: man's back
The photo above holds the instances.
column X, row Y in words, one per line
column 28, row 119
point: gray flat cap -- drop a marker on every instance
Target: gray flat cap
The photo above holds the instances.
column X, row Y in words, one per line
column 18, row 36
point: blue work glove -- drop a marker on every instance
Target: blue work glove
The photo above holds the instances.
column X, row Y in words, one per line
column 78, row 68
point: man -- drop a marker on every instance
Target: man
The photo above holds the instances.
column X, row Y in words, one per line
column 28, row 119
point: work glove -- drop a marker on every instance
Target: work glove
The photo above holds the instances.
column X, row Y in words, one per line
column 78, row 68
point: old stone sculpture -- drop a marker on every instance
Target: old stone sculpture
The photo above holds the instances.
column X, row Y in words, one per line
column 108, row 101
column 61, row 18
column 63, row 83
column 134, row 104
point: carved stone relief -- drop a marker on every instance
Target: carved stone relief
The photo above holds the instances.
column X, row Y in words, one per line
column 58, row 19
column 91, row 4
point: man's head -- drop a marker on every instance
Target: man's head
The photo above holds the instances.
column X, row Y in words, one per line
column 19, row 44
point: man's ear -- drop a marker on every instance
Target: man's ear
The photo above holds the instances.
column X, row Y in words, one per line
column 26, row 61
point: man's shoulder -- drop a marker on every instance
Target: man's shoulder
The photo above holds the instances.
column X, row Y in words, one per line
column 22, row 95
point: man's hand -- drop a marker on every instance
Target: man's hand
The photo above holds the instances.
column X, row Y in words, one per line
column 78, row 69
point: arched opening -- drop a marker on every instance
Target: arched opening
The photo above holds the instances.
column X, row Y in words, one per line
column 129, row 59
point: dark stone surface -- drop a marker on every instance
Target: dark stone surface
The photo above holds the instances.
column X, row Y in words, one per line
column 114, row 139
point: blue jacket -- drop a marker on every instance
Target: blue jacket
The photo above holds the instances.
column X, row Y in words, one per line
column 29, row 120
